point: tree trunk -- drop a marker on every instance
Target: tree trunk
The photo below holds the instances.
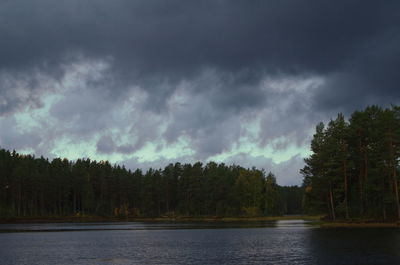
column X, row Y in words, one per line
column 345, row 189
column 331, row 201
column 360, row 180
column 396, row 190
column 394, row 174
column 384, row 212
column 74, row 203
column 365, row 180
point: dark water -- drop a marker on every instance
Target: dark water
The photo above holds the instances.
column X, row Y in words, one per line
column 282, row 242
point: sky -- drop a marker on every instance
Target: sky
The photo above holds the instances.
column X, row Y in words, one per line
column 144, row 83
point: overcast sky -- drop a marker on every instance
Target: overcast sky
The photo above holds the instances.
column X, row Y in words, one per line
column 144, row 83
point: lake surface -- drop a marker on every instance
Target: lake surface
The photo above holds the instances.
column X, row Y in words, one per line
column 281, row 242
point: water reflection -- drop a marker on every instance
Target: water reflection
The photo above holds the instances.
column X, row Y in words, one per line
column 354, row 246
column 64, row 227
column 281, row 242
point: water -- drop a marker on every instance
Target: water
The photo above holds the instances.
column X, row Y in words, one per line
column 282, row 242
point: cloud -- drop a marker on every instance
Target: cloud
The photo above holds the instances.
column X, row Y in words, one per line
column 106, row 145
column 21, row 140
column 157, row 45
column 117, row 79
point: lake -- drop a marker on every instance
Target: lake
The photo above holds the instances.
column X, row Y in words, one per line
column 280, row 242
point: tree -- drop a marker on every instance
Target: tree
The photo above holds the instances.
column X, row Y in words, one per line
column 272, row 198
column 360, row 156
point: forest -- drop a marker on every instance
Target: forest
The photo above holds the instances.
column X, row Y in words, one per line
column 353, row 172
column 37, row 187
column 354, row 166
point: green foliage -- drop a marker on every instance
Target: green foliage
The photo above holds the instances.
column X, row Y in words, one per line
column 32, row 186
column 353, row 168
column 272, row 196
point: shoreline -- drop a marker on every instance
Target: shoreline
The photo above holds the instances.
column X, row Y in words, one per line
column 314, row 220
column 394, row 224
column 99, row 219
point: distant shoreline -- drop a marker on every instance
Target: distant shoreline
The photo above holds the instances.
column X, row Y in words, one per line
column 94, row 219
column 314, row 220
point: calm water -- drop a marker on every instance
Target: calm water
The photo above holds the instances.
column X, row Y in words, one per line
column 282, row 242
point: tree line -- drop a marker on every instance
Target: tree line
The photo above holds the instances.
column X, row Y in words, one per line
column 354, row 166
column 32, row 186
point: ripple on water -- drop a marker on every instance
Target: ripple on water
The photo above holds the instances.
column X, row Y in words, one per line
column 282, row 242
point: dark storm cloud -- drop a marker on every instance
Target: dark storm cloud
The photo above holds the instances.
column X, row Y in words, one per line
column 19, row 89
column 158, row 43
column 106, row 145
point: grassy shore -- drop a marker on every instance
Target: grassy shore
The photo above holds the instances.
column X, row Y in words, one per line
column 178, row 219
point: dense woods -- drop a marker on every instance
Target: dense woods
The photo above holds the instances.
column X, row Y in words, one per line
column 354, row 168
column 353, row 172
column 32, row 186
